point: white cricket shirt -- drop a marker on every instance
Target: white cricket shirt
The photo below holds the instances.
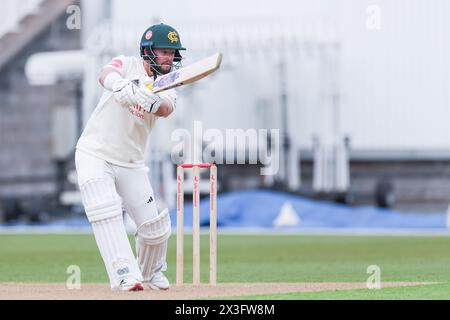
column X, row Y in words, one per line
column 119, row 134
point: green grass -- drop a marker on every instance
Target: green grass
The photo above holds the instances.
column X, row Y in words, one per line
column 255, row 258
column 428, row 292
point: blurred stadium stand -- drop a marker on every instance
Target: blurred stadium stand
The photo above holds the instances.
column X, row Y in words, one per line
column 28, row 172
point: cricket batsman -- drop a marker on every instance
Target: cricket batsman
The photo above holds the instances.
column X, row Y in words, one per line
column 110, row 163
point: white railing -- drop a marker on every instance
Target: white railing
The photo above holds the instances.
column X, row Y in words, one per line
column 12, row 11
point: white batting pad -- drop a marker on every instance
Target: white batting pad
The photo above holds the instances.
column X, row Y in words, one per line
column 151, row 244
column 104, row 211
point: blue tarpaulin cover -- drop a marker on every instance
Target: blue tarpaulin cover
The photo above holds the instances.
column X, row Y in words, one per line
column 260, row 208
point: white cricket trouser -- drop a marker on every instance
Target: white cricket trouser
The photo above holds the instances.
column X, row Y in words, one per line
column 105, row 190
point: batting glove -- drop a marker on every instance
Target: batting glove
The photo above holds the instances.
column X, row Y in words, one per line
column 124, row 92
column 148, row 100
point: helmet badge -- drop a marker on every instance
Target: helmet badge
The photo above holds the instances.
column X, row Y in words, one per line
column 173, row 36
column 148, row 35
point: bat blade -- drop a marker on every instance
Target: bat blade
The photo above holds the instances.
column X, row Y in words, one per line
column 188, row 74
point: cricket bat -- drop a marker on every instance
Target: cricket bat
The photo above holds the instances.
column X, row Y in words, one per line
column 188, row 74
